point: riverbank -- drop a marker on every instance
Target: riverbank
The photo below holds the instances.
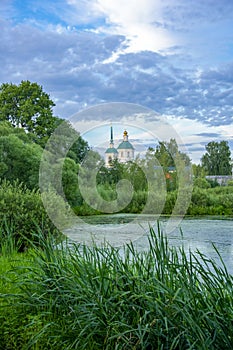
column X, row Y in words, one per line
column 95, row 298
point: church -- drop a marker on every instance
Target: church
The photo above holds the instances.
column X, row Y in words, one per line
column 124, row 152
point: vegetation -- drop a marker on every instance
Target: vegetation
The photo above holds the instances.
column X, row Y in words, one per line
column 168, row 154
column 19, row 157
column 217, row 159
column 77, row 297
column 212, row 201
column 27, row 106
column 208, row 198
column 82, row 297
column 22, row 214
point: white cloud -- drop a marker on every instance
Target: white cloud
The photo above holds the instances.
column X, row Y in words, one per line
column 141, row 22
column 65, row 55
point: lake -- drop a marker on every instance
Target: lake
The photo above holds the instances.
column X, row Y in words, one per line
column 197, row 233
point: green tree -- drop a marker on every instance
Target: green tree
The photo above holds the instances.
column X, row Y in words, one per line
column 217, row 159
column 27, row 106
column 69, row 180
column 79, row 150
column 19, row 156
column 170, row 158
column 168, row 153
column 67, row 142
column 198, row 171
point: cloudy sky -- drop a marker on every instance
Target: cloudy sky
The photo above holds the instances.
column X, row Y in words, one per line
column 172, row 56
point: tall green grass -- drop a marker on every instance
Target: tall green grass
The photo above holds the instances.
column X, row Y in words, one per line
column 93, row 298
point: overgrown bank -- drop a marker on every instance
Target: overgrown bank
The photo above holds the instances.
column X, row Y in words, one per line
column 204, row 201
column 95, row 298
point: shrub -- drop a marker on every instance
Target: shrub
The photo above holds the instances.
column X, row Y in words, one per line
column 22, row 214
column 201, row 183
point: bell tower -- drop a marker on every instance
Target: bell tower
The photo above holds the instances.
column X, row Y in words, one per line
column 111, row 152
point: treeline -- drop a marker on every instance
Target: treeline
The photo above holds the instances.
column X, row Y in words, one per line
column 169, row 170
column 207, row 198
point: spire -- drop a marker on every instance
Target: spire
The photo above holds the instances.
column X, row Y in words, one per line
column 111, row 139
column 111, row 153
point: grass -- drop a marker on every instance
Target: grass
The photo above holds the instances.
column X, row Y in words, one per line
column 96, row 298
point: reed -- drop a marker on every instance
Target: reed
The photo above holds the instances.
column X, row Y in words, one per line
column 80, row 297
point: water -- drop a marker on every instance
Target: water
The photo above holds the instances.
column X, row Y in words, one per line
column 197, row 233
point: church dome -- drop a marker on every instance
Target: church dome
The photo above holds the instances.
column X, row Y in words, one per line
column 125, row 144
column 111, row 150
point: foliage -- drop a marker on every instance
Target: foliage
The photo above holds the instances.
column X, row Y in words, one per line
column 79, row 150
column 98, row 298
column 213, row 183
column 217, row 159
column 20, row 159
column 168, row 153
column 198, row 171
column 67, row 142
column 201, row 183
column 132, row 171
column 207, row 199
column 70, row 181
column 171, row 160
column 27, row 106
column 22, row 214
column 212, row 201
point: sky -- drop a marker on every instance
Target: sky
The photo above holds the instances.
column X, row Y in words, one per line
column 174, row 57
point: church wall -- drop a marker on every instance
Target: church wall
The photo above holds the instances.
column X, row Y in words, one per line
column 125, row 155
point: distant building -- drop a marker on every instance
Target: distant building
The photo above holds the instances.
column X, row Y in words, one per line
column 111, row 152
column 124, row 152
column 125, row 149
column 222, row 180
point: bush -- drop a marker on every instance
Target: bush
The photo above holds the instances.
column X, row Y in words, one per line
column 201, row 183
column 212, row 201
column 22, row 214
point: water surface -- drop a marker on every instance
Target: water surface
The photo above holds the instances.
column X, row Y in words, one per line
column 197, row 233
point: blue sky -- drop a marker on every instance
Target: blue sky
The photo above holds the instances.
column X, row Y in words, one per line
column 172, row 56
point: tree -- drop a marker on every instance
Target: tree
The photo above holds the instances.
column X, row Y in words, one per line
column 27, row 106
column 19, row 160
column 69, row 180
column 198, row 171
column 171, row 159
column 79, row 150
column 67, row 142
column 217, row 159
column 168, row 153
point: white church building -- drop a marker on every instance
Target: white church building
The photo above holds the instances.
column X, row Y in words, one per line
column 124, row 152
